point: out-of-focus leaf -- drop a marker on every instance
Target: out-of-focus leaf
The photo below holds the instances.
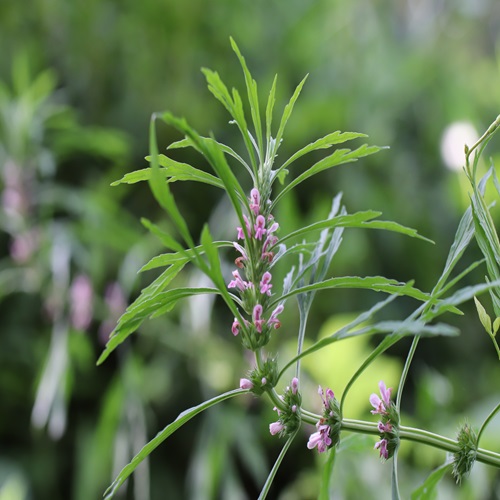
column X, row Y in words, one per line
column 151, row 290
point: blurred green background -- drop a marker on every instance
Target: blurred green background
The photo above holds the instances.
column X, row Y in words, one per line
column 78, row 83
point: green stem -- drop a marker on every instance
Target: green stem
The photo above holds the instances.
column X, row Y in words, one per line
column 421, row 436
column 487, row 421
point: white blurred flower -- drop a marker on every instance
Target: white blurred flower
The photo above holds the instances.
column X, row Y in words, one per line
column 453, row 140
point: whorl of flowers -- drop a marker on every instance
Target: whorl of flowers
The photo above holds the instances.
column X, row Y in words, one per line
column 252, row 279
column 329, row 425
column 464, row 458
column 388, row 425
column 289, row 417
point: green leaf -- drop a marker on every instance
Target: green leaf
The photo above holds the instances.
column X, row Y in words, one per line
column 132, row 317
column 269, row 113
column 324, row 143
column 337, row 221
column 233, row 105
column 496, row 325
column 215, row 157
column 403, row 329
column 286, row 115
column 428, row 489
column 183, row 418
column 462, row 295
column 339, row 157
column 166, row 259
column 226, row 149
column 375, row 283
column 274, row 470
column 136, row 176
column 253, row 97
column 177, row 171
column 164, row 237
column 483, row 316
column 161, row 190
column 326, row 475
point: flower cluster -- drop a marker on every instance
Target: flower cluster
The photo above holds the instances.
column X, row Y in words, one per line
column 464, row 458
column 329, row 425
column 388, row 425
column 261, row 379
column 289, row 417
column 254, row 287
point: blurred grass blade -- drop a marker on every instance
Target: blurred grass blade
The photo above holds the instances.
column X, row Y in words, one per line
column 274, row 470
column 428, row 489
column 183, row 417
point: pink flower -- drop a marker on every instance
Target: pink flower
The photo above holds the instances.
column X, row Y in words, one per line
column 295, row 385
column 239, row 283
column 236, row 327
column 273, row 320
column 381, row 405
column 382, row 445
column 387, row 427
column 265, row 283
column 321, row 438
column 245, row 383
column 81, row 302
column 255, row 201
column 260, row 227
column 258, row 321
column 276, row 427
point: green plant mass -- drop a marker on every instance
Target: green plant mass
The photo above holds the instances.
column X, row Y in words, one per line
column 240, row 296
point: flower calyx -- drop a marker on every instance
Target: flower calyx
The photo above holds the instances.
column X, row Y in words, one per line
column 388, row 424
column 464, row 458
column 261, row 380
column 329, row 425
column 289, row 413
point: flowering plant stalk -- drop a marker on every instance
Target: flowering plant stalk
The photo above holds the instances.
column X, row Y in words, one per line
column 257, row 303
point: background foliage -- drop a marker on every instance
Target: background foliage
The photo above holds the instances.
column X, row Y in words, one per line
column 79, row 83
